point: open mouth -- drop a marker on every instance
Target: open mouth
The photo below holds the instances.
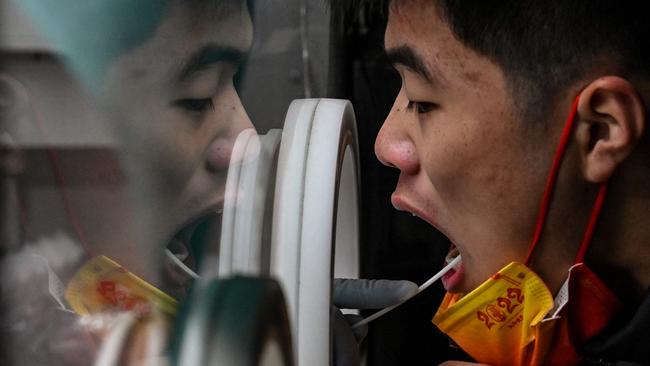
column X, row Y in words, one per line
column 185, row 250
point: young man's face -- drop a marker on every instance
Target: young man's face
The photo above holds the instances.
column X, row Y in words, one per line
column 469, row 164
column 176, row 112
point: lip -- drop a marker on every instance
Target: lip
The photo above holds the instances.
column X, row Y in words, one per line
column 452, row 279
column 178, row 281
column 198, row 216
column 401, row 203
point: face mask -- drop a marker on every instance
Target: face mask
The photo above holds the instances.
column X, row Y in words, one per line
column 101, row 285
column 513, row 319
column 130, row 316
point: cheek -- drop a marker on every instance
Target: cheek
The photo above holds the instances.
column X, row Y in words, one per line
column 479, row 171
column 459, row 159
column 183, row 147
column 165, row 148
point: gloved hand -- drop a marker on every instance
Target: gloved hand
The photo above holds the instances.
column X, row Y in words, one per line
column 361, row 294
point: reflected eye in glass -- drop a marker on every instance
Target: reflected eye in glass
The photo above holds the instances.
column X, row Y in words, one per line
column 237, row 81
column 195, row 105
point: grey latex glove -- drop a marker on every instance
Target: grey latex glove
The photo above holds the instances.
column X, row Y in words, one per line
column 361, row 294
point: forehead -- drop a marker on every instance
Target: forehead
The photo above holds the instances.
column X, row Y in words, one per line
column 418, row 25
column 409, row 15
column 226, row 22
column 184, row 31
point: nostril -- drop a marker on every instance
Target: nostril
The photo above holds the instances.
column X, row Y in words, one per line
column 385, row 151
column 385, row 162
column 398, row 154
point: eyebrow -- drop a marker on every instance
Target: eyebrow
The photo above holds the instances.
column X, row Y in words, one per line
column 209, row 55
column 406, row 56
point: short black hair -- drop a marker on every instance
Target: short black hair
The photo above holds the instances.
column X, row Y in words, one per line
column 544, row 47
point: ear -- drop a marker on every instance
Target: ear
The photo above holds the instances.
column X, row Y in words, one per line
column 611, row 120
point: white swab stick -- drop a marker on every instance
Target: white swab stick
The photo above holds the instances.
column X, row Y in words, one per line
column 422, row 287
column 180, row 264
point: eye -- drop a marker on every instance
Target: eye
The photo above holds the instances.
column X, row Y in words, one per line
column 420, row 107
column 195, row 105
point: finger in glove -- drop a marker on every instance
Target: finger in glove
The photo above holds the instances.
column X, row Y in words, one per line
column 371, row 294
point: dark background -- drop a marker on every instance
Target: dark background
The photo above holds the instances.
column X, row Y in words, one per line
column 395, row 245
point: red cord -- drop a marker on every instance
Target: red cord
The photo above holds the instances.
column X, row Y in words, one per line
column 61, row 182
column 72, row 217
column 591, row 226
column 550, row 187
column 552, row 178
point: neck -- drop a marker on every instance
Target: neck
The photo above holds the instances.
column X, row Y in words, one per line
column 564, row 227
column 619, row 253
column 103, row 208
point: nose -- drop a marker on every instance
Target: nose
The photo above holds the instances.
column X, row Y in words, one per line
column 220, row 150
column 394, row 146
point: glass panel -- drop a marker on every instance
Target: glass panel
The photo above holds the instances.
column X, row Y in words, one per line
column 141, row 146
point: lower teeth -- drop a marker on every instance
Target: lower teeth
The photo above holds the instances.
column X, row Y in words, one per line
column 452, row 255
column 179, row 249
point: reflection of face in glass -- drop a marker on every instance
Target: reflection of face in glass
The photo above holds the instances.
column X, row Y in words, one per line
column 171, row 102
column 176, row 114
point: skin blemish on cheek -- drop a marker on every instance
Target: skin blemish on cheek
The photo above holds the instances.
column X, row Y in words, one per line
column 471, row 76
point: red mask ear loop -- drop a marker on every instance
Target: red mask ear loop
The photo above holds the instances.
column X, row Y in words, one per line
column 591, row 226
column 550, row 187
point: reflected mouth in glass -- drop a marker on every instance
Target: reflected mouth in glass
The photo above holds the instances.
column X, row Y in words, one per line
column 189, row 246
